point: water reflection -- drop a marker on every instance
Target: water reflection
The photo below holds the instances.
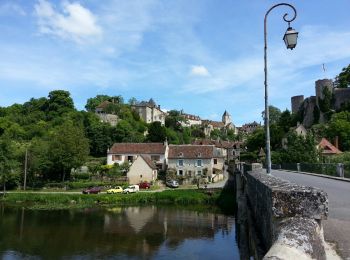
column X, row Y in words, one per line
column 130, row 232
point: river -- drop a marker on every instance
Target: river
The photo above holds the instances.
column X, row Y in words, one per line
column 116, row 233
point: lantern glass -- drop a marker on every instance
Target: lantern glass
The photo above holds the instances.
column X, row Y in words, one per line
column 290, row 38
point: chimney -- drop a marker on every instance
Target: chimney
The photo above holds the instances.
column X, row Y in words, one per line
column 336, row 142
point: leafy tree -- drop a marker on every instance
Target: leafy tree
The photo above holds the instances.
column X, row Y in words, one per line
column 274, row 114
column 156, row 132
column 339, row 125
column 8, row 164
column 92, row 103
column 58, row 103
column 343, row 79
column 300, row 149
column 174, row 120
column 68, row 148
column 285, row 121
column 256, row 140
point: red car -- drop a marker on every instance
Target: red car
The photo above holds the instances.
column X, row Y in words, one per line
column 92, row 190
column 145, row 185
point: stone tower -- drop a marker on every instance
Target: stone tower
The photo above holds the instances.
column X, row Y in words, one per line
column 226, row 118
column 320, row 85
column 296, row 101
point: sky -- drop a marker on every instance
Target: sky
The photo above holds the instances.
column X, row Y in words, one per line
column 200, row 56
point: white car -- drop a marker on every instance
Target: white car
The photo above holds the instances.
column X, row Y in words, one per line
column 131, row 189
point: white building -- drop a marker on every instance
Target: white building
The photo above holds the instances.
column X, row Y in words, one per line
column 143, row 169
column 149, row 111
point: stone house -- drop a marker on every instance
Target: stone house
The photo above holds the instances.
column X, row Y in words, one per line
column 193, row 161
column 143, row 169
column 191, row 120
column 225, row 124
column 149, row 111
column 249, row 127
column 128, row 152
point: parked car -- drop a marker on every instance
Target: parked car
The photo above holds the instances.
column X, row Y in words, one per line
column 131, row 189
column 172, row 183
column 117, row 189
column 144, row 185
column 92, row 190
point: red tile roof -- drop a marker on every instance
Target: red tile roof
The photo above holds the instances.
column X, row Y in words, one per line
column 191, row 151
column 217, row 143
column 137, row 148
column 328, row 148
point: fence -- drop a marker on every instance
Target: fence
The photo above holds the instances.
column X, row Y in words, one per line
column 331, row 169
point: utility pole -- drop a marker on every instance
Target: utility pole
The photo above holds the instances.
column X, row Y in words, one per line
column 25, row 170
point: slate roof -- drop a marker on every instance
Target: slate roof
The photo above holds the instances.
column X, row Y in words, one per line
column 191, row 151
column 328, row 148
column 137, row 148
column 217, row 143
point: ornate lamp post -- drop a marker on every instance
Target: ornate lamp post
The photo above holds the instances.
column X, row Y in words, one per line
column 290, row 39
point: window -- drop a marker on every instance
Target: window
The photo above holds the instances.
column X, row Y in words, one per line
column 199, row 163
column 180, row 172
column 215, row 161
column 199, row 172
column 155, row 158
column 116, row 157
column 140, row 175
column 130, row 158
column 180, row 162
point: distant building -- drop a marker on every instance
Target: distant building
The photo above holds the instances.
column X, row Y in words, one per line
column 149, row 111
column 128, row 152
column 309, row 108
column 250, row 127
column 193, row 161
column 191, row 120
column 225, row 124
column 101, row 112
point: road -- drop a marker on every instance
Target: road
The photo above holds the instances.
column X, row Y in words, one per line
column 337, row 226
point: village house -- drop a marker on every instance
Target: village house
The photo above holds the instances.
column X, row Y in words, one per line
column 149, row 111
column 190, row 120
column 142, row 170
column 128, row 152
column 229, row 149
column 193, row 161
column 327, row 149
column 249, row 127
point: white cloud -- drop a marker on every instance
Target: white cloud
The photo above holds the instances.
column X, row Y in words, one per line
column 8, row 8
column 199, row 70
column 75, row 22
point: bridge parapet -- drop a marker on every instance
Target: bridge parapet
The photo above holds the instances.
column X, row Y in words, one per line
column 286, row 215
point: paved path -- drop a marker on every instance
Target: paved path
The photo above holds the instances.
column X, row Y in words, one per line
column 337, row 226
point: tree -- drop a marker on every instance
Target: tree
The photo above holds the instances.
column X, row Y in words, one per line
column 343, row 79
column 256, row 140
column 339, row 125
column 300, row 149
column 68, row 148
column 58, row 103
column 92, row 103
column 174, row 120
column 274, row 114
column 285, row 121
column 156, row 132
column 8, row 163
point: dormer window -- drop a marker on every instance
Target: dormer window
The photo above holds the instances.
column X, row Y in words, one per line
column 181, row 155
column 199, row 154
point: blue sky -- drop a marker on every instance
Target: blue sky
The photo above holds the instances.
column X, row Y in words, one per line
column 202, row 56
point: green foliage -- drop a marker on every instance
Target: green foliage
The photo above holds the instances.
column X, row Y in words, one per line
column 174, row 120
column 92, row 103
column 274, row 114
column 256, row 140
column 343, row 79
column 339, row 125
column 299, row 149
column 156, row 132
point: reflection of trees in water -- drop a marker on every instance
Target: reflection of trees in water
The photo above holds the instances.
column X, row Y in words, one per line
column 132, row 231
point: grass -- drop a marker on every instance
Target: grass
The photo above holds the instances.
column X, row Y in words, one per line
column 65, row 201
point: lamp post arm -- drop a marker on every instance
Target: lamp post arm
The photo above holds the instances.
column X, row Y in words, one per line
column 267, row 113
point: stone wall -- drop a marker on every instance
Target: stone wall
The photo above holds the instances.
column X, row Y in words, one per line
column 297, row 101
column 287, row 216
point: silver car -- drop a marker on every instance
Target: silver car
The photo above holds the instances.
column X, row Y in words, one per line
column 172, row 184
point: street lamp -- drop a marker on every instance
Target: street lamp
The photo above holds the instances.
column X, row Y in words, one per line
column 290, row 39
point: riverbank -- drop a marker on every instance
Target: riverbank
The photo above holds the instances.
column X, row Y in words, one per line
column 168, row 197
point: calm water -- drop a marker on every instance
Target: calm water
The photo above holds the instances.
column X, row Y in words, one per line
column 116, row 233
